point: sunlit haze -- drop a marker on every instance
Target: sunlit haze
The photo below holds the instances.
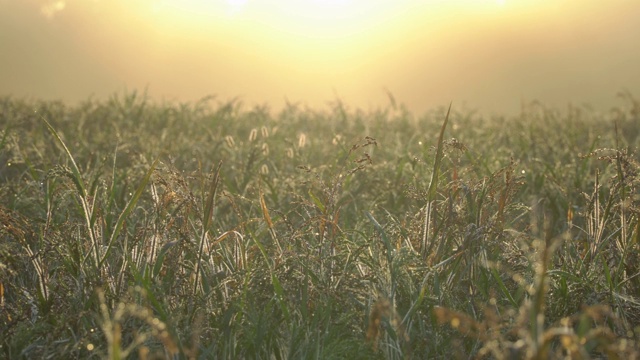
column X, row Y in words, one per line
column 489, row 55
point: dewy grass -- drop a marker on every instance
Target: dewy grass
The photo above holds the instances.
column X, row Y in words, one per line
column 426, row 245
column 208, row 230
column 206, row 221
column 88, row 206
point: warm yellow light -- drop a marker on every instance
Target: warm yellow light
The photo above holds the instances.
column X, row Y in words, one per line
column 236, row 5
column 305, row 28
column 427, row 51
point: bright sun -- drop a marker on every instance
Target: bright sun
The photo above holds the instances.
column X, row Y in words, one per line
column 306, row 18
column 313, row 30
column 302, row 10
column 236, row 5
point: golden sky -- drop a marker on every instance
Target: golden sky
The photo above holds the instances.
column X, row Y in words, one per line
column 488, row 55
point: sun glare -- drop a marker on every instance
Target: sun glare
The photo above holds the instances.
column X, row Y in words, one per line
column 283, row 12
column 235, row 6
column 281, row 25
column 308, row 36
column 262, row 49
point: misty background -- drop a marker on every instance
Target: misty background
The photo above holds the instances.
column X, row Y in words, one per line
column 485, row 55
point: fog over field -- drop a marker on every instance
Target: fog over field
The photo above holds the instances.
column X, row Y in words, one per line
column 338, row 198
column 487, row 55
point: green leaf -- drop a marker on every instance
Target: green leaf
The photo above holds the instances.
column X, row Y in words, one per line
column 503, row 288
column 127, row 210
column 208, row 214
column 433, row 184
column 77, row 178
column 208, row 211
column 160, row 259
column 277, row 288
column 317, row 201
column 566, row 275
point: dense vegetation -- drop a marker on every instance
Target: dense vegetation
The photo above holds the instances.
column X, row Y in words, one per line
column 206, row 230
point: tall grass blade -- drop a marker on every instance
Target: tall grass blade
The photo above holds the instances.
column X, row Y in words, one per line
column 77, row 177
column 87, row 210
column 267, row 219
column 127, row 210
column 208, row 214
column 277, row 286
column 433, row 184
column 389, row 253
column 433, row 188
column 505, row 292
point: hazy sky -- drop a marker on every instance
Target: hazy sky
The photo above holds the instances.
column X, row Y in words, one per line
column 488, row 54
